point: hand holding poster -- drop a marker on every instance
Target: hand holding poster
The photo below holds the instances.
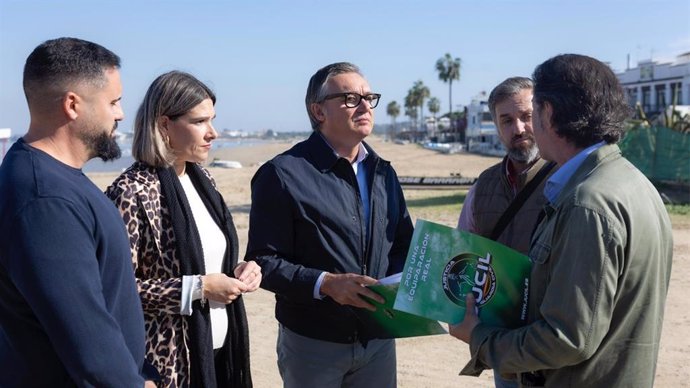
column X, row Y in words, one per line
column 444, row 264
column 386, row 322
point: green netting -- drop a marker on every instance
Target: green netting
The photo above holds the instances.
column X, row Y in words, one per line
column 662, row 154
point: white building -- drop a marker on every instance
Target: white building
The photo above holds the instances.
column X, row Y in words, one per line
column 481, row 134
column 5, row 134
column 652, row 84
column 480, row 126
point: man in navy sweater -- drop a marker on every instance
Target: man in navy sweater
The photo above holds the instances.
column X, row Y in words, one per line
column 70, row 314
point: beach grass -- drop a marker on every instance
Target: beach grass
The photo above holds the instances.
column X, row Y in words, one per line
column 444, row 206
column 679, row 210
column 438, row 205
column 680, row 216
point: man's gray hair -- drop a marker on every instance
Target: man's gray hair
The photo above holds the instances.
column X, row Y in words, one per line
column 317, row 85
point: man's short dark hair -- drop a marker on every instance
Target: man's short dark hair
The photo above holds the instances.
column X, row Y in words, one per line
column 55, row 65
column 586, row 98
column 315, row 90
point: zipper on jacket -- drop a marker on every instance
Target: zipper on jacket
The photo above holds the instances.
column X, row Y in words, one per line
column 369, row 231
column 354, row 184
column 363, row 231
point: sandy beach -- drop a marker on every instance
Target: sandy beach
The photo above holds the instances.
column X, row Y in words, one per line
column 426, row 361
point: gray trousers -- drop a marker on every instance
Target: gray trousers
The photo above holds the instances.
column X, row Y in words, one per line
column 310, row 363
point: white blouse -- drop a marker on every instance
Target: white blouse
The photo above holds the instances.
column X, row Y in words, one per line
column 214, row 245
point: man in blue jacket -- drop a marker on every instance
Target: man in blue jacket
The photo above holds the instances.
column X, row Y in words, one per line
column 70, row 314
column 601, row 256
column 328, row 217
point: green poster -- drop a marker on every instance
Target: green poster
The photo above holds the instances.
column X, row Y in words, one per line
column 444, row 264
column 387, row 322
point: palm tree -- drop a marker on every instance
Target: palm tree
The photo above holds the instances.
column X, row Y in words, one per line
column 411, row 112
column 434, row 106
column 421, row 92
column 393, row 110
column 448, row 71
column 411, row 104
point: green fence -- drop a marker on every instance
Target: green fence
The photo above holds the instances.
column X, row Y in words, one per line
column 662, row 154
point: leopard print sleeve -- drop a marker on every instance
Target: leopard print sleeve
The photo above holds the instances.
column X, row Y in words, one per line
column 158, row 282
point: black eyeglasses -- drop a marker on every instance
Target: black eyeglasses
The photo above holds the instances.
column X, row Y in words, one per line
column 352, row 100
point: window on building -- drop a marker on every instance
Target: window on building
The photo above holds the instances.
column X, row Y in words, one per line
column 660, row 92
column 646, row 98
column 632, row 96
column 676, row 89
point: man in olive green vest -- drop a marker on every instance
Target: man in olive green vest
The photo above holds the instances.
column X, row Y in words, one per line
column 497, row 187
column 493, row 196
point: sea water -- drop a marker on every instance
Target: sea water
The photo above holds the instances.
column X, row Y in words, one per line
column 126, row 160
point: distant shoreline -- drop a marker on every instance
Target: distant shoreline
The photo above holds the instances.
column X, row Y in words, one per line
column 98, row 166
column 220, row 146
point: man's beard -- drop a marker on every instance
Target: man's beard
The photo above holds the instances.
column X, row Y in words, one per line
column 524, row 154
column 102, row 145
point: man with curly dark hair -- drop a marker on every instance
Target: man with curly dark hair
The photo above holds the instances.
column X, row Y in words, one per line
column 601, row 254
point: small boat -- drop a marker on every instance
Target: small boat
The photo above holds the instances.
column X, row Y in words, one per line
column 226, row 164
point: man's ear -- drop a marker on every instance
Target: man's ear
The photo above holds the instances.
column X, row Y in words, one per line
column 71, row 104
column 317, row 111
column 547, row 113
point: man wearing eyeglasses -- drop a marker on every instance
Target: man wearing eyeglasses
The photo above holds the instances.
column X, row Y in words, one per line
column 328, row 218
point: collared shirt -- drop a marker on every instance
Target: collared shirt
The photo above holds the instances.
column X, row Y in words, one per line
column 362, row 180
column 514, row 177
column 557, row 181
column 361, row 174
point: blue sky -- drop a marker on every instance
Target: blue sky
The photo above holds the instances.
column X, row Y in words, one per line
column 258, row 55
